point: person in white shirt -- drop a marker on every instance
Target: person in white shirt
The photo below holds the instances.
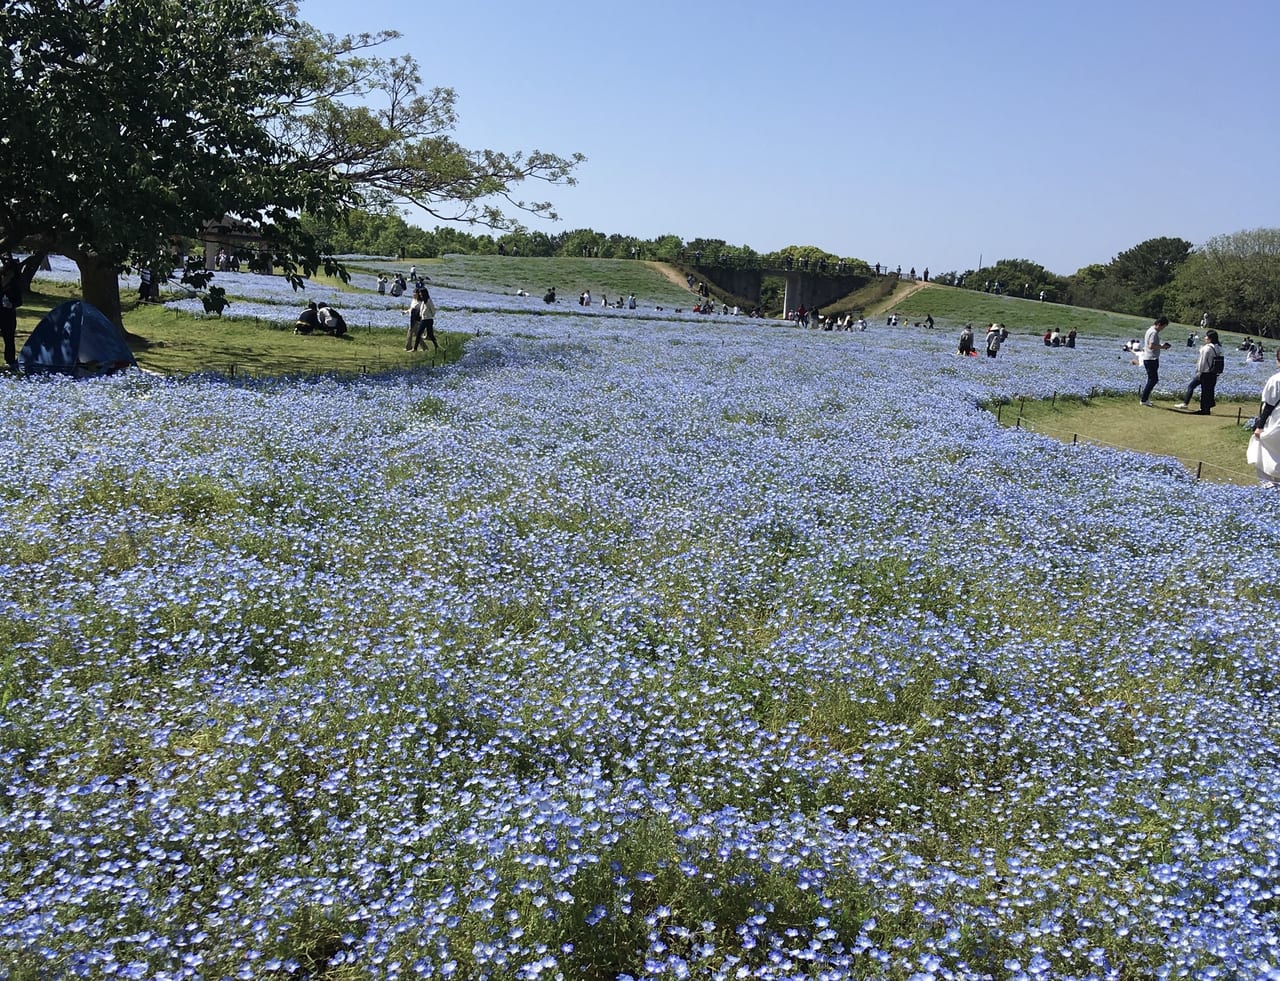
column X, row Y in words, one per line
column 1264, row 426
column 1150, row 357
column 1206, row 375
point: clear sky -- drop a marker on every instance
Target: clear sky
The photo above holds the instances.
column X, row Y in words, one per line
column 929, row 134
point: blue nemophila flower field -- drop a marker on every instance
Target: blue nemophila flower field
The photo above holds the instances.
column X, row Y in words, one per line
column 631, row 648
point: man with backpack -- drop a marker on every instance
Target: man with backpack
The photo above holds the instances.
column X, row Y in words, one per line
column 10, row 300
column 1209, row 365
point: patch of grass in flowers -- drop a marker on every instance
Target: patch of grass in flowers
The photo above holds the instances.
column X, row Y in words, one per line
column 653, row 888
column 431, row 407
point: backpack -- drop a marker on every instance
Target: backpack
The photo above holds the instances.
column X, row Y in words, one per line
column 1219, row 364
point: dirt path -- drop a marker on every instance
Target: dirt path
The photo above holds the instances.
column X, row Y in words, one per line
column 668, row 273
column 899, row 295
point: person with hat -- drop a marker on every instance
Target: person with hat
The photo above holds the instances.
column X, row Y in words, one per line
column 1208, row 365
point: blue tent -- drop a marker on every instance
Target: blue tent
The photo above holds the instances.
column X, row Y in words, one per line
column 77, row 339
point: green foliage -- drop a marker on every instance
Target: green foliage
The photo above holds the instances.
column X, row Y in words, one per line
column 1150, row 264
column 1092, row 287
column 814, row 255
column 664, row 247
column 146, row 147
column 1017, row 277
column 192, row 113
column 1235, row 279
column 1134, row 282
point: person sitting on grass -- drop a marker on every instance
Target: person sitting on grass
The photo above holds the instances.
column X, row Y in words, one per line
column 308, row 321
column 331, row 321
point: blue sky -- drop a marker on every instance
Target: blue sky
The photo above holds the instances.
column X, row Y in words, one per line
column 927, row 134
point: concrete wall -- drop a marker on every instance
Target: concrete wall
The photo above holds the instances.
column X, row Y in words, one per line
column 744, row 283
column 810, row 291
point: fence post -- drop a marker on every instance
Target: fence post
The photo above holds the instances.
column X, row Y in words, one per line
column 1054, row 401
column 1074, row 438
column 1199, row 467
column 1018, row 424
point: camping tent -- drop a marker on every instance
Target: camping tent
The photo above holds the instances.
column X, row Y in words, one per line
column 75, row 338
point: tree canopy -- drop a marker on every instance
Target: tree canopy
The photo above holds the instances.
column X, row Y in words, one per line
column 131, row 123
column 1235, row 279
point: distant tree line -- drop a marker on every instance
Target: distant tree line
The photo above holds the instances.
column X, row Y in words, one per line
column 1234, row 279
column 362, row 233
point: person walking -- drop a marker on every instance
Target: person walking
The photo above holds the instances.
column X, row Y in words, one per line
column 1209, row 364
column 422, row 320
column 994, row 340
column 1150, row 358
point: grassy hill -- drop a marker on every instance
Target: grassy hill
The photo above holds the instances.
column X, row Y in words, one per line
column 651, row 282
column 951, row 305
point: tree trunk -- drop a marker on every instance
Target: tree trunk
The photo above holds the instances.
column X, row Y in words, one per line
column 100, row 285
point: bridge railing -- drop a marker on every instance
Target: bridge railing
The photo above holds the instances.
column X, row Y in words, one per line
column 818, row 267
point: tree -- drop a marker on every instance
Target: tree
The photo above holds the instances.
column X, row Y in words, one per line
column 1093, row 286
column 582, row 242
column 369, row 119
column 1150, row 264
column 1235, row 279
column 130, row 123
column 666, row 247
column 1017, row 277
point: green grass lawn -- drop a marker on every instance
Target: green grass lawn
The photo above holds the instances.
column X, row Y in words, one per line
column 174, row 343
column 950, row 305
column 1214, row 446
